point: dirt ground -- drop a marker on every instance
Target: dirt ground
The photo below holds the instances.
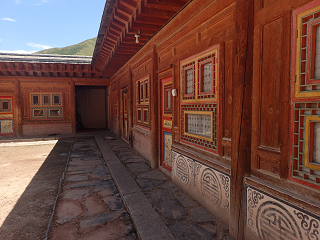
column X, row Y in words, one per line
column 29, row 181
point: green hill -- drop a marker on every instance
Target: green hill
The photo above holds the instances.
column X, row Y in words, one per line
column 84, row 48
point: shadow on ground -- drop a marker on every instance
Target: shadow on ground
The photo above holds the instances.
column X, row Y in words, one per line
column 31, row 214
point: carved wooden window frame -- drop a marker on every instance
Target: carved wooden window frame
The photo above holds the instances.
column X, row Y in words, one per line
column 44, row 107
column 142, row 93
column 305, row 99
column 200, row 102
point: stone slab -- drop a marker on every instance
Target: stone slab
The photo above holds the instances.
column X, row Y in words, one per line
column 185, row 199
column 99, row 219
column 167, row 207
column 200, row 215
column 171, row 187
column 154, row 174
column 83, row 184
column 113, row 202
column 68, row 210
column 189, row 231
column 147, row 221
column 122, row 178
column 77, row 178
column 147, row 184
column 94, row 206
column 138, row 168
column 76, row 194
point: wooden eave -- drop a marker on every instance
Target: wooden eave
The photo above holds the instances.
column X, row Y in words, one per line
column 121, row 20
column 24, row 69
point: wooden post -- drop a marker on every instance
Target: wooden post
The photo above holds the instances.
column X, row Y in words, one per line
column 73, row 107
column 242, row 114
column 154, row 110
column 17, row 108
column 130, row 106
column 119, row 108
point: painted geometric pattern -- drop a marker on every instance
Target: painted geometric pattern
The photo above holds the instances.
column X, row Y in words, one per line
column 167, row 99
column 207, row 75
column 6, row 126
column 271, row 218
column 201, row 141
column 302, row 166
column 8, row 103
column 188, row 81
column 211, row 184
column 144, row 110
column 308, row 84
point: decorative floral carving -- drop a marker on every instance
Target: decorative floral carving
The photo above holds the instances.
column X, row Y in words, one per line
column 310, row 225
column 253, row 200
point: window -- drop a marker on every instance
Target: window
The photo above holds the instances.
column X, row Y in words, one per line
column 6, row 115
column 5, row 105
column 115, row 104
column 206, row 78
column 189, row 82
column 316, row 42
column 46, row 99
column 199, row 124
column 139, row 115
column 54, row 112
column 145, row 116
column 35, row 99
column 141, row 93
column 146, row 84
column 142, row 102
column 42, row 106
column 305, row 104
column 199, row 100
column 38, row 112
column 56, row 99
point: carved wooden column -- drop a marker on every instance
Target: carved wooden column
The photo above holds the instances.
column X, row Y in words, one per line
column 242, row 114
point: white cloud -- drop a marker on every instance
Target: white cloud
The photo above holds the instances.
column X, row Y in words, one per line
column 9, row 19
column 17, row 51
column 0, row 39
column 39, row 46
column 42, row 2
column 18, row 1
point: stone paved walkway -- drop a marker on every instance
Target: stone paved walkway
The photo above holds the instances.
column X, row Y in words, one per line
column 96, row 202
column 89, row 205
column 184, row 216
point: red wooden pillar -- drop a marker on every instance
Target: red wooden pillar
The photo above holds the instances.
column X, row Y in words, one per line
column 130, row 106
column 242, row 114
column 17, row 109
column 72, row 107
column 154, row 110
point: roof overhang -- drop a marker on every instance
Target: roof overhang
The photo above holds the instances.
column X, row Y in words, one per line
column 44, row 65
column 121, row 21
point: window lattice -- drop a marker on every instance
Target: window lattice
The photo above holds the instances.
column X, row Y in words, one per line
column 207, row 78
column 189, row 74
column 199, row 124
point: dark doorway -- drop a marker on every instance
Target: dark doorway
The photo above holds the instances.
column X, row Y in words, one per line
column 92, row 107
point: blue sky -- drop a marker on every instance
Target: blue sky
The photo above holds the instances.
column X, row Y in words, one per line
column 28, row 26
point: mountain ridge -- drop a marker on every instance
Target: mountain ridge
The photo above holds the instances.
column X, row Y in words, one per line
column 84, row 48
